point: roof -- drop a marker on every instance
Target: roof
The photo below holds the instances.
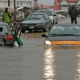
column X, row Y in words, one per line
column 42, row 6
column 3, row 23
column 57, row 1
column 46, row 10
column 72, row 0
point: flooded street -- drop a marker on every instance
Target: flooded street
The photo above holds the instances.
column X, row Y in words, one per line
column 35, row 61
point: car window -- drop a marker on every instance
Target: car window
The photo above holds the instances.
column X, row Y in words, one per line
column 49, row 13
column 36, row 16
column 65, row 30
column 57, row 30
column 5, row 29
column 46, row 16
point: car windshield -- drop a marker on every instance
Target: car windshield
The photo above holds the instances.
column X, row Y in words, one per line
column 49, row 13
column 65, row 30
column 5, row 29
column 36, row 17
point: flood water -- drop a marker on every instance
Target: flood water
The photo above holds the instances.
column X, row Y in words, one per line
column 35, row 61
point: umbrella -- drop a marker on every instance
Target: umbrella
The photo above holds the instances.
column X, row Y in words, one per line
column 9, row 9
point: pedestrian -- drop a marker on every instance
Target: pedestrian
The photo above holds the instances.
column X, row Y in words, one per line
column 17, row 35
column 18, row 29
column 73, row 14
column 26, row 14
column 6, row 16
column 2, row 36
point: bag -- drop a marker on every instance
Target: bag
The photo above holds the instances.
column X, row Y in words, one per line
column 18, row 39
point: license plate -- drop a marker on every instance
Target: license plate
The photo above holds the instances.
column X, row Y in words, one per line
column 24, row 25
column 31, row 27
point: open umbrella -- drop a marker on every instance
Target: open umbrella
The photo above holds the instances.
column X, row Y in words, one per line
column 9, row 9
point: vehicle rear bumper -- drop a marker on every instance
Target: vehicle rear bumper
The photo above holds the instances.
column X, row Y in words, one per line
column 9, row 42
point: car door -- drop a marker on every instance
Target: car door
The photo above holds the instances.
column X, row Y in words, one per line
column 48, row 21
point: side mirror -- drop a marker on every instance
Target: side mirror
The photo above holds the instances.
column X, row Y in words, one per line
column 54, row 15
column 43, row 35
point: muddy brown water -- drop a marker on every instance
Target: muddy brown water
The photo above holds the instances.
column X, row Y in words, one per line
column 35, row 61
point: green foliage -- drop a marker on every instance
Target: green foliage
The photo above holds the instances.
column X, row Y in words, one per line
column 35, row 9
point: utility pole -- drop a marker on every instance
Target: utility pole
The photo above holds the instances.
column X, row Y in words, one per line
column 8, row 2
column 37, row 3
column 14, row 10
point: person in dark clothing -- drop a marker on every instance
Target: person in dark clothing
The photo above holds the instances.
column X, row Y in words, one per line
column 73, row 14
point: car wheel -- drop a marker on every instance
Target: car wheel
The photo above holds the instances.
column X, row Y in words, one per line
column 50, row 27
column 57, row 22
column 30, row 30
column 45, row 30
column 23, row 30
column 53, row 21
column 12, row 45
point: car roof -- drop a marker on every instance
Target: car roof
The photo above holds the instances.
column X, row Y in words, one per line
column 3, row 23
column 66, row 24
column 39, row 13
column 46, row 10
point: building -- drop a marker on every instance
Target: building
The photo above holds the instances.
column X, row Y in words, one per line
column 42, row 6
column 22, row 3
column 65, row 4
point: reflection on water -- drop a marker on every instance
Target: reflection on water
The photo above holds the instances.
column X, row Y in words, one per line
column 60, row 64
column 49, row 67
column 78, row 69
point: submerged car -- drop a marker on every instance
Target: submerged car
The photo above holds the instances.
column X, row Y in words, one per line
column 36, row 21
column 63, row 34
column 8, row 32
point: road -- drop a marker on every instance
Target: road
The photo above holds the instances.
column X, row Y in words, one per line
column 34, row 61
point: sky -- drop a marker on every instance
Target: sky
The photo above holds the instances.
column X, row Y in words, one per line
column 47, row 2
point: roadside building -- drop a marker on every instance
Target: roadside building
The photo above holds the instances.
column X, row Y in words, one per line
column 21, row 3
column 65, row 4
column 42, row 6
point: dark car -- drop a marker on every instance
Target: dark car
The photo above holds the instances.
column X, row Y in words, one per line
column 36, row 21
column 9, row 35
column 63, row 34
column 51, row 13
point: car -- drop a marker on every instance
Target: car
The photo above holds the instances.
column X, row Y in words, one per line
column 51, row 13
column 63, row 34
column 36, row 21
column 8, row 32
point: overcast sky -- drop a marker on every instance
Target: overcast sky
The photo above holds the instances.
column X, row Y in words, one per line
column 48, row 2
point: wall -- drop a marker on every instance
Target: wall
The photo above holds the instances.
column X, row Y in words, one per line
column 24, row 3
column 57, row 7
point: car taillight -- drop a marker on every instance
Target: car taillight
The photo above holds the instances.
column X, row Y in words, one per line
column 9, row 37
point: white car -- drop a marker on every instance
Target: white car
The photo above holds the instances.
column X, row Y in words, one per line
column 51, row 13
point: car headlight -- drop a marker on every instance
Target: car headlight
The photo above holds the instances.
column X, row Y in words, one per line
column 47, row 42
column 40, row 24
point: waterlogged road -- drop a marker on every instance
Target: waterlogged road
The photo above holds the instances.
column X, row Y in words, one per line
column 34, row 61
